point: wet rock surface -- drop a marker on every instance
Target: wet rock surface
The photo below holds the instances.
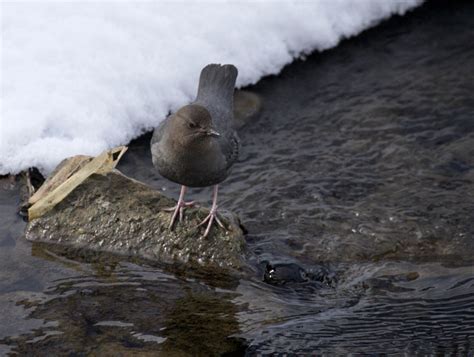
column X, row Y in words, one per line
column 113, row 213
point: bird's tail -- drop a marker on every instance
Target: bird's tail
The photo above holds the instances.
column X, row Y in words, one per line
column 217, row 82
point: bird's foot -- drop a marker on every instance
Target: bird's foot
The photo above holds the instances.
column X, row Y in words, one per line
column 178, row 211
column 211, row 217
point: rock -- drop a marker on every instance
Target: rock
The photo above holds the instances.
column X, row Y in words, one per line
column 280, row 274
column 247, row 106
column 116, row 214
column 283, row 273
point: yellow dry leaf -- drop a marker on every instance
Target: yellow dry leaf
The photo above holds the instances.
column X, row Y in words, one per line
column 63, row 183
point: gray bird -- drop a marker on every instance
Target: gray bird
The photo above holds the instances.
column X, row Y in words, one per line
column 197, row 145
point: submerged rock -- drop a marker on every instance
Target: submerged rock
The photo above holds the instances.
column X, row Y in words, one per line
column 247, row 106
column 116, row 214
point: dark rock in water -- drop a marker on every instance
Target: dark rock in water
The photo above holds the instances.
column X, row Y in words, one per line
column 279, row 274
column 283, row 273
column 116, row 214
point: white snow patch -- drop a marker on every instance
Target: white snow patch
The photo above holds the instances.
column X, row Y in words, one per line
column 80, row 77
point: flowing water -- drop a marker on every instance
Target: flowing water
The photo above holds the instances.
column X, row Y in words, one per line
column 356, row 184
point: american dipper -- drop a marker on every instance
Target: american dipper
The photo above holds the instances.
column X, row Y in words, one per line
column 197, row 145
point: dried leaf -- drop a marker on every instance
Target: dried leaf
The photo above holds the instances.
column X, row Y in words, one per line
column 63, row 183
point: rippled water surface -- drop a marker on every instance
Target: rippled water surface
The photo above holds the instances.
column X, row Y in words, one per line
column 360, row 168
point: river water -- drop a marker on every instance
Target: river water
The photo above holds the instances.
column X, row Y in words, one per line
column 356, row 184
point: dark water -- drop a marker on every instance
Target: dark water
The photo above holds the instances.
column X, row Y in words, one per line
column 357, row 148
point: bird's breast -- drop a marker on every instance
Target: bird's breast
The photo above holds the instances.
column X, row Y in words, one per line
column 192, row 167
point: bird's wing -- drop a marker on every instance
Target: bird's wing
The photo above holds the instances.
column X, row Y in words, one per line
column 230, row 149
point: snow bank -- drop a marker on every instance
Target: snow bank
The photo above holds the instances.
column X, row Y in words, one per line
column 81, row 77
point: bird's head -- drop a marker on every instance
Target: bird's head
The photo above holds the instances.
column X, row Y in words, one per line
column 193, row 123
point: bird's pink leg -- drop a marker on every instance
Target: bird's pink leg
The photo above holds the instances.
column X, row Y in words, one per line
column 212, row 216
column 179, row 208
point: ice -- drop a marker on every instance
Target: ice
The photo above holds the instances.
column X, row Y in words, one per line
column 80, row 77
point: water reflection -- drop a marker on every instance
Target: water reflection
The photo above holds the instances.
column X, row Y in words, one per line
column 124, row 309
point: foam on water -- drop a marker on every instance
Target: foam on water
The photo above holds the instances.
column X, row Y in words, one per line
column 78, row 78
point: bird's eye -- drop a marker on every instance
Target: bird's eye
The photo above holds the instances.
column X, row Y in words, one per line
column 192, row 125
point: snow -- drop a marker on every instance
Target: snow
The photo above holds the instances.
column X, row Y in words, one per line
column 81, row 77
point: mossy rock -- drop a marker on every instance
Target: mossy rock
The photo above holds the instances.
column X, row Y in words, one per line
column 116, row 214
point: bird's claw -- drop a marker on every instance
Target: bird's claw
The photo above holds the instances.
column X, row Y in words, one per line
column 178, row 209
column 211, row 217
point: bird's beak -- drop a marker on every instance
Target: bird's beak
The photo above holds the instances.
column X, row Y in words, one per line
column 212, row 132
